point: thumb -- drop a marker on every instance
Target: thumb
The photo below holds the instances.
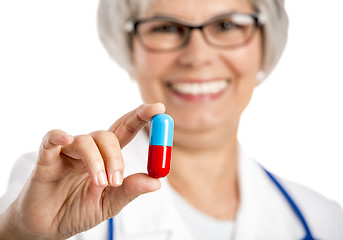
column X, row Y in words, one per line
column 132, row 187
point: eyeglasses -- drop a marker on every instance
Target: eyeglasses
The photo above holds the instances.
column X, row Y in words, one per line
column 162, row 34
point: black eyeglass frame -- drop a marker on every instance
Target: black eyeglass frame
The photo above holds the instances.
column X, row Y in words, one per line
column 132, row 27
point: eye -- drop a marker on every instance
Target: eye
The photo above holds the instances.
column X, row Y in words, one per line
column 166, row 28
column 225, row 25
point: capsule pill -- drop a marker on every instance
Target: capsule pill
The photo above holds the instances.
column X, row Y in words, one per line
column 160, row 145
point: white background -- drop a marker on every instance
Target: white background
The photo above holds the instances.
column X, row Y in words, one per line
column 54, row 73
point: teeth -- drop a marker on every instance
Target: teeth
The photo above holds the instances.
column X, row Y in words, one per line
column 200, row 88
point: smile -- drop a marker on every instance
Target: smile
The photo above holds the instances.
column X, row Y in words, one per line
column 199, row 88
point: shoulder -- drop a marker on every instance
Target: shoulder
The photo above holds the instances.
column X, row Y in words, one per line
column 23, row 167
column 322, row 213
column 263, row 205
column 19, row 175
column 311, row 200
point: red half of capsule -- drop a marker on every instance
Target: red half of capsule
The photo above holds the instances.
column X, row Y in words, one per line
column 159, row 160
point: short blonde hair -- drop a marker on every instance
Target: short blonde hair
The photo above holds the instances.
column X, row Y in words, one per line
column 113, row 15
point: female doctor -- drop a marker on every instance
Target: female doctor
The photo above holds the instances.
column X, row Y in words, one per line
column 198, row 61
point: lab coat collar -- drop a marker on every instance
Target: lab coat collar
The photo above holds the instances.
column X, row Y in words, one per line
column 263, row 212
column 153, row 216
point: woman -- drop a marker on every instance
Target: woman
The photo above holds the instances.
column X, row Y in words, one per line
column 202, row 60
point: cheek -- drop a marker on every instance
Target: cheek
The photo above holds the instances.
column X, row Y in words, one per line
column 245, row 61
column 149, row 69
column 148, row 64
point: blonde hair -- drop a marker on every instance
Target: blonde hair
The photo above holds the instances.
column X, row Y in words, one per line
column 113, row 15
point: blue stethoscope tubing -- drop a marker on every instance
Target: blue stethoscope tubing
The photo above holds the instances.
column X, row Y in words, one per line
column 294, row 207
column 291, row 202
column 110, row 229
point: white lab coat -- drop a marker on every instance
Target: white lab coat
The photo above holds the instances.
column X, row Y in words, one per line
column 263, row 212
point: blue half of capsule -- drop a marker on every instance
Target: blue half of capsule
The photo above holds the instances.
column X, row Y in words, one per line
column 161, row 130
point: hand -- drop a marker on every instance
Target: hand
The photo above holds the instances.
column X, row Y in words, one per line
column 78, row 181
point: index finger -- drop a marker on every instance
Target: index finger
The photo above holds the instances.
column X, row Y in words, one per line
column 127, row 127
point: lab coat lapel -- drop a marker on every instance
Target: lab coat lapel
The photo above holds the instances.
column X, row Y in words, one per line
column 263, row 212
column 152, row 216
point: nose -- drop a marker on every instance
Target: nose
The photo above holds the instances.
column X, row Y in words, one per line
column 198, row 53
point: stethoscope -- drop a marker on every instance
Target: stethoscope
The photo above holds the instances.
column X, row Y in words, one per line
column 290, row 201
column 297, row 212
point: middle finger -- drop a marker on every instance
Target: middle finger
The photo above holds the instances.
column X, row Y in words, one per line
column 85, row 149
column 110, row 150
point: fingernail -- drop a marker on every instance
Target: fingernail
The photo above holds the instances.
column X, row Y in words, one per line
column 67, row 136
column 117, row 178
column 102, row 180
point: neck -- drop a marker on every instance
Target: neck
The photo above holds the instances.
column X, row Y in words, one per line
column 207, row 176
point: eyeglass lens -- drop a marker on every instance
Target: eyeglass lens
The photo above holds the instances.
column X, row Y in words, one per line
column 228, row 31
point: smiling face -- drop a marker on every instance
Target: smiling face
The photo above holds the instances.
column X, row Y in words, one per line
column 203, row 88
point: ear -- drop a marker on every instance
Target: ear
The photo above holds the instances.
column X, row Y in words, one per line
column 261, row 75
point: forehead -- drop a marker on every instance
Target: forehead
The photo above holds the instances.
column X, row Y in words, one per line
column 195, row 10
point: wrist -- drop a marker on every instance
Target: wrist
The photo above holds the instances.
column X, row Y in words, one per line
column 11, row 228
column 6, row 229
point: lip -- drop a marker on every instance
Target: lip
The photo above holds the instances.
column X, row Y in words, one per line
column 199, row 97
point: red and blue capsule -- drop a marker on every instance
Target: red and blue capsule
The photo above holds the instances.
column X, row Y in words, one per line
column 160, row 145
